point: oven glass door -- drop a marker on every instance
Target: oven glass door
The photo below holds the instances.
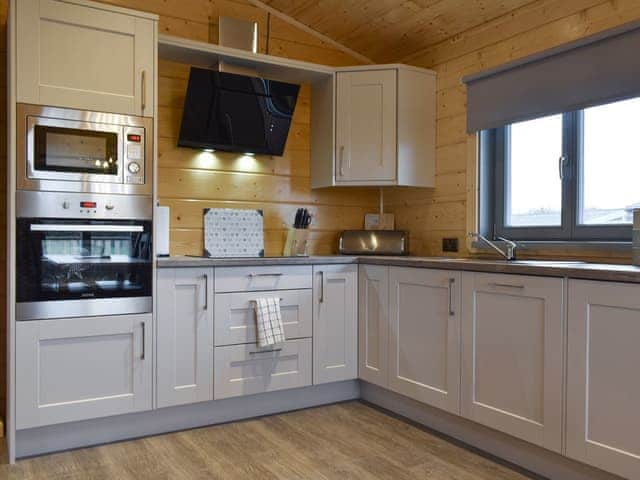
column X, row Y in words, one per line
column 79, row 259
column 74, row 151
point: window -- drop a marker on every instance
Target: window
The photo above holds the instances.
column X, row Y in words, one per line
column 571, row 176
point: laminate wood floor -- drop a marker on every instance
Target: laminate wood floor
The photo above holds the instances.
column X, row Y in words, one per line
column 345, row 441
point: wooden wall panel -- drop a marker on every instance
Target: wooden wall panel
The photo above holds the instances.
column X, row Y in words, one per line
column 449, row 209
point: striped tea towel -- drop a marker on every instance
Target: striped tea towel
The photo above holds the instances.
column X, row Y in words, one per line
column 269, row 322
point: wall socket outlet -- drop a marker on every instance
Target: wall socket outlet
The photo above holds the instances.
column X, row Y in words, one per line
column 449, row 244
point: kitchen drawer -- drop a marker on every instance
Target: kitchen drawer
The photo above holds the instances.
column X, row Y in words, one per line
column 247, row 370
column 251, row 279
column 235, row 317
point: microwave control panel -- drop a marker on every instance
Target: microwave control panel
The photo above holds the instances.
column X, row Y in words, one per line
column 134, row 156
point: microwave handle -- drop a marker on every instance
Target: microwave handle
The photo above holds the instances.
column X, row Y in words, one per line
column 44, row 227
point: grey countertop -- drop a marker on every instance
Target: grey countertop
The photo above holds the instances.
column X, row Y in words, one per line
column 580, row 270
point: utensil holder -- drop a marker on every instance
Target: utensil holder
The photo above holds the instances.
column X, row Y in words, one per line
column 297, row 243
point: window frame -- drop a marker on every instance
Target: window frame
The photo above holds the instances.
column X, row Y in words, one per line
column 493, row 179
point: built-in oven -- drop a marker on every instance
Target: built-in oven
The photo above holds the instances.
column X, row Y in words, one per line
column 67, row 150
column 82, row 255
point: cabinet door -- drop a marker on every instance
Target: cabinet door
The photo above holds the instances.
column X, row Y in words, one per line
column 185, row 335
column 373, row 323
column 366, row 126
column 335, row 323
column 424, row 346
column 81, row 368
column 512, row 353
column 84, row 57
column 603, row 385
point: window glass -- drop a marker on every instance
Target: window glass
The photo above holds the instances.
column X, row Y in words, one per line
column 533, row 186
column 611, row 164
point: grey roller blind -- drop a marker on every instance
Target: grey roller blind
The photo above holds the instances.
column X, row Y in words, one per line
column 595, row 70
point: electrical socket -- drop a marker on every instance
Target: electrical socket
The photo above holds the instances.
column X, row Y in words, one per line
column 449, row 244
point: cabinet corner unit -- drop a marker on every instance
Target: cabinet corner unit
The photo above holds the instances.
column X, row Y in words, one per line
column 85, row 55
column 384, row 129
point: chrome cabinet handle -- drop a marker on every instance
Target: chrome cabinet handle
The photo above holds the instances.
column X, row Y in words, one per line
column 143, row 341
column 451, row 311
column 321, row 287
column 266, row 351
column 342, row 160
column 206, row 292
column 507, row 285
column 143, row 90
column 561, row 164
column 252, row 275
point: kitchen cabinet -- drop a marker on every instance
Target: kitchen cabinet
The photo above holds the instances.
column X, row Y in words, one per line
column 512, row 355
column 424, row 334
column 603, row 386
column 85, row 55
column 384, row 128
column 373, row 324
column 185, row 336
column 335, row 323
column 82, row 368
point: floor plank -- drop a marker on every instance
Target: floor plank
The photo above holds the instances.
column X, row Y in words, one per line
column 344, row 441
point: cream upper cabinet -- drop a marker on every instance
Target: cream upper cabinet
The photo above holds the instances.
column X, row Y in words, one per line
column 335, row 323
column 373, row 324
column 512, row 354
column 185, row 336
column 603, row 385
column 85, row 55
column 385, row 128
column 424, row 333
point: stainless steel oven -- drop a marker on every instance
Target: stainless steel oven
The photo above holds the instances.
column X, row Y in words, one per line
column 82, row 255
column 66, row 150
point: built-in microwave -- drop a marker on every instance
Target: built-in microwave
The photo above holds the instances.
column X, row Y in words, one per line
column 65, row 150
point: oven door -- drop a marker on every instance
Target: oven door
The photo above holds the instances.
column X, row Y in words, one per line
column 68, row 150
column 69, row 268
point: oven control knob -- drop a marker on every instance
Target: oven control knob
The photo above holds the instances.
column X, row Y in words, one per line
column 134, row 167
column 109, row 206
column 66, row 204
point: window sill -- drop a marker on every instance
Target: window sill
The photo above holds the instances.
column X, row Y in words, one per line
column 624, row 247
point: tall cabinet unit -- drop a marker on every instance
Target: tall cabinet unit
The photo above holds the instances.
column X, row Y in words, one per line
column 85, row 55
column 185, row 336
column 603, row 385
column 424, row 333
column 335, row 323
column 512, row 344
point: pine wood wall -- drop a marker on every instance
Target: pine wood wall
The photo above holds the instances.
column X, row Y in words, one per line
column 449, row 210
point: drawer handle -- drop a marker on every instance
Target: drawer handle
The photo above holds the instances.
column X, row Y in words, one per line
column 266, row 351
column 252, row 275
column 321, row 287
column 507, row 285
column 451, row 311
column 255, row 301
column 143, row 342
column 206, row 292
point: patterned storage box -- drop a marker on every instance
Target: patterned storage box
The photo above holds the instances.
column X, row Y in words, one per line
column 230, row 232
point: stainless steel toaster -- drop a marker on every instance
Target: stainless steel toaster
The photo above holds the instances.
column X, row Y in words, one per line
column 373, row 242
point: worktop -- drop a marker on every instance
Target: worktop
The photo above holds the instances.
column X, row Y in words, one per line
column 578, row 270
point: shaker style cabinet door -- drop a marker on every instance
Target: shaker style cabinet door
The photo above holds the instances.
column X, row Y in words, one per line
column 373, row 324
column 185, row 335
column 82, row 368
column 84, row 57
column 335, row 323
column 366, row 126
column 512, row 353
column 603, row 385
column 424, row 332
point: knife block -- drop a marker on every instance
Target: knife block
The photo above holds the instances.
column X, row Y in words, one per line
column 297, row 243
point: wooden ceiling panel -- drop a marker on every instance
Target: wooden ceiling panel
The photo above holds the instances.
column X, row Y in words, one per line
column 388, row 30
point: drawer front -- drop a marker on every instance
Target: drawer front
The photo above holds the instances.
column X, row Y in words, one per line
column 235, row 317
column 251, row 279
column 246, row 370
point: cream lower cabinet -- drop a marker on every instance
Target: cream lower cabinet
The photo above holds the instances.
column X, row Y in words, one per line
column 85, row 55
column 185, row 336
column 424, row 336
column 373, row 324
column 335, row 323
column 82, row 368
column 603, row 384
column 512, row 354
